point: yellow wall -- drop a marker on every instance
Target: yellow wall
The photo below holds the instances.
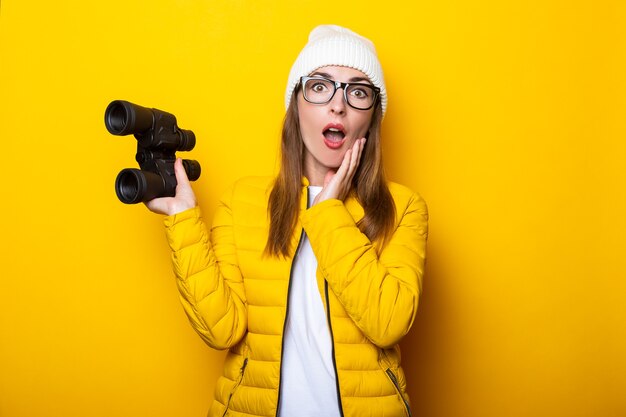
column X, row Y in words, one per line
column 509, row 118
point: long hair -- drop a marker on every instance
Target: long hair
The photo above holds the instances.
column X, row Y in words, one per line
column 369, row 186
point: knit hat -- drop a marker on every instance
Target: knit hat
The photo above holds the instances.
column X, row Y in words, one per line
column 335, row 45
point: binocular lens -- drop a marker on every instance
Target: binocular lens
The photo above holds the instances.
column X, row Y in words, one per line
column 128, row 185
column 125, row 118
column 134, row 186
column 116, row 119
column 192, row 168
column 187, row 140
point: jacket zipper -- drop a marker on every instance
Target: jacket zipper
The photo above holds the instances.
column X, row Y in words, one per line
column 394, row 380
column 332, row 341
column 282, row 347
column 243, row 369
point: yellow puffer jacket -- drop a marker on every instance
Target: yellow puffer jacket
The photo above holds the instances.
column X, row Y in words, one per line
column 236, row 297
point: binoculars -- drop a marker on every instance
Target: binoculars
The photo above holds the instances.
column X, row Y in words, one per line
column 158, row 139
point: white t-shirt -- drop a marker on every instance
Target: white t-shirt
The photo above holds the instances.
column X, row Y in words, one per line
column 308, row 386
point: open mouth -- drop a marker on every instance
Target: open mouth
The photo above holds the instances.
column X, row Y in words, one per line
column 334, row 136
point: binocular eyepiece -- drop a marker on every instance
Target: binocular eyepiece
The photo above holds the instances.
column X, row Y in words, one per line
column 158, row 139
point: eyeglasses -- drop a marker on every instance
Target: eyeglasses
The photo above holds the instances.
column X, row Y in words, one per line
column 319, row 90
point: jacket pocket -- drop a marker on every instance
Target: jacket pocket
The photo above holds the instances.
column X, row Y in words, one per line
column 242, row 371
column 394, row 381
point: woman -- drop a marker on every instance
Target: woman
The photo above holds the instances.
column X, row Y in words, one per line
column 312, row 278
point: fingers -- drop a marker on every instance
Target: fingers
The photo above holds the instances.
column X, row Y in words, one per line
column 361, row 147
column 349, row 165
column 184, row 198
column 181, row 175
column 351, row 160
column 355, row 158
column 344, row 168
column 338, row 184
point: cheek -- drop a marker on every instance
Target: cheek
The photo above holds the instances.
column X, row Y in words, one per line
column 305, row 116
column 364, row 126
column 307, row 134
column 310, row 125
column 361, row 121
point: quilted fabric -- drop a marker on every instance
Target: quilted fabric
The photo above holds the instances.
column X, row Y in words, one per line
column 236, row 297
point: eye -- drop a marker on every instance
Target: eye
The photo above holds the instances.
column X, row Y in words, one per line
column 360, row 92
column 318, row 87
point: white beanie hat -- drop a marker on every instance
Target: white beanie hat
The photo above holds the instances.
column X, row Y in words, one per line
column 335, row 45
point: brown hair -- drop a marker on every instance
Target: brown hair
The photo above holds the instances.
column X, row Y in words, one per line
column 368, row 185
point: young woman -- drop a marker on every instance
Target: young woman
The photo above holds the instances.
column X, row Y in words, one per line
column 310, row 279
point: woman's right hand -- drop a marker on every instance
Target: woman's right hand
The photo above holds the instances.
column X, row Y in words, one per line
column 184, row 198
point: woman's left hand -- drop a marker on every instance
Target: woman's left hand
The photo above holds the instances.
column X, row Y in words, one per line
column 337, row 183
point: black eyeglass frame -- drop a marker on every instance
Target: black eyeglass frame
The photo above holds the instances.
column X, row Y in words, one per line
column 338, row 85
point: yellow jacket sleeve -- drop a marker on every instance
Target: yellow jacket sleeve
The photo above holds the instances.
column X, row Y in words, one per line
column 379, row 293
column 208, row 276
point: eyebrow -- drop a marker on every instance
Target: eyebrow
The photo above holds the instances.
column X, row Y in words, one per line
column 351, row 80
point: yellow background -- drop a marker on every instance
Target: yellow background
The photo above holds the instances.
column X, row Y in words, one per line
column 508, row 117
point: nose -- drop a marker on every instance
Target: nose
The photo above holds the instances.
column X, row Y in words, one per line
column 338, row 103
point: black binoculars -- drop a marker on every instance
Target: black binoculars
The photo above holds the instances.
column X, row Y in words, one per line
column 158, row 139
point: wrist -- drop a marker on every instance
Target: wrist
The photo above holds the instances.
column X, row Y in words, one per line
column 180, row 207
